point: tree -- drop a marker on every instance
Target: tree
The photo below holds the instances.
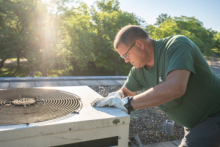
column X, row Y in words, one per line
column 217, row 41
column 77, row 36
column 107, row 20
column 23, row 30
column 161, row 18
column 6, row 31
column 88, row 35
column 42, row 39
column 187, row 26
column 107, row 5
column 23, row 11
column 201, row 36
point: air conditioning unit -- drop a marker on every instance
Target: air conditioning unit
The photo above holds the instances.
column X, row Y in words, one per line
column 92, row 126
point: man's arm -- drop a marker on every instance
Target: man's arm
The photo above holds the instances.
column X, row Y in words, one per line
column 174, row 87
column 126, row 92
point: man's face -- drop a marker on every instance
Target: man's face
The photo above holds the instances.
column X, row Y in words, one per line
column 133, row 55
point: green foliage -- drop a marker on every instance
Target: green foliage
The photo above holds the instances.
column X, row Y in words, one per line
column 161, row 18
column 77, row 43
column 88, row 35
column 106, row 21
column 202, row 37
column 107, row 5
column 28, row 31
column 58, row 40
column 187, row 26
column 40, row 49
column 217, row 41
column 18, row 15
column 12, row 71
column 7, row 28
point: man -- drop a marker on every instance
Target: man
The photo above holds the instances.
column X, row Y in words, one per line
column 178, row 80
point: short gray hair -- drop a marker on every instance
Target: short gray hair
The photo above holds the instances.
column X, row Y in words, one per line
column 129, row 34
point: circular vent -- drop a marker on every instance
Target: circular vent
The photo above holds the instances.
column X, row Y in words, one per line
column 29, row 105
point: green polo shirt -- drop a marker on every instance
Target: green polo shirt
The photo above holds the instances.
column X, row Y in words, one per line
column 202, row 96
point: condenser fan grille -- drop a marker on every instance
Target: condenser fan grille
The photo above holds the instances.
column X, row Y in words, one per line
column 29, row 105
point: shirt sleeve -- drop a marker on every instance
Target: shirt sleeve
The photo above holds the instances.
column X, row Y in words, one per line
column 180, row 57
column 133, row 83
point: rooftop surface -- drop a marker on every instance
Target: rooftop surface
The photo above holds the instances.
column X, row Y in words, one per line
column 175, row 143
column 30, row 82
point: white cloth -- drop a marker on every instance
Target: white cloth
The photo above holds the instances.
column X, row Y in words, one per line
column 115, row 99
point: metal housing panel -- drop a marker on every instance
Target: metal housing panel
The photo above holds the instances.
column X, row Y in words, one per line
column 92, row 123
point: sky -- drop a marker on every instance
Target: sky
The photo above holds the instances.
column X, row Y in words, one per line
column 206, row 11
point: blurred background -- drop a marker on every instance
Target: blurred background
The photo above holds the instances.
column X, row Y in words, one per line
column 75, row 38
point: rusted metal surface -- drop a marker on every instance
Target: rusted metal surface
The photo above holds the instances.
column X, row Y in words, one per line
column 21, row 101
column 24, row 101
column 29, row 105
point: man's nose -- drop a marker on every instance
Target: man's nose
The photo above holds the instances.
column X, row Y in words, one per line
column 127, row 60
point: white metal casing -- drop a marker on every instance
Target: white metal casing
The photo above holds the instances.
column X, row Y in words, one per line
column 90, row 124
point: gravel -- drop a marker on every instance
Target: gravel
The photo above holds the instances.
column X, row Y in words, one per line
column 148, row 123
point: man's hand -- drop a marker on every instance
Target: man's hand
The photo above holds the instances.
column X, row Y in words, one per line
column 116, row 94
column 111, row 101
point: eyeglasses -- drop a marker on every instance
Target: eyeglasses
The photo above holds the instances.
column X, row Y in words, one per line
column 125, row 55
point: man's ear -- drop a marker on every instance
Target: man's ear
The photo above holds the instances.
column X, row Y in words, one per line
column 139, row 43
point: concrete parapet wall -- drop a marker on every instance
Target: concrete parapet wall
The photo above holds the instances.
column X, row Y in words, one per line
column 28, row 82
column 15, row 79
